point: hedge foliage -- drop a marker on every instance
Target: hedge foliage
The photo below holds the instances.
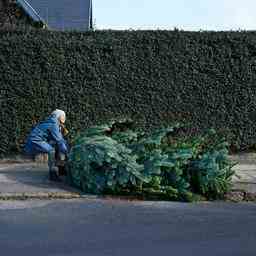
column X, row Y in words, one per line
column 154, row 77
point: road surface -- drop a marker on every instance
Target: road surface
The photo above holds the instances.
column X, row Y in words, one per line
column 121, row 228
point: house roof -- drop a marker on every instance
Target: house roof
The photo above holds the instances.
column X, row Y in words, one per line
column 60, row 14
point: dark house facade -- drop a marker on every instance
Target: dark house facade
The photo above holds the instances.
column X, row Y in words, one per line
column 62, row 15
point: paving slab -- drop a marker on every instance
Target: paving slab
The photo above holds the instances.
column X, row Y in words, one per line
column 30, row 179
column 245, row 171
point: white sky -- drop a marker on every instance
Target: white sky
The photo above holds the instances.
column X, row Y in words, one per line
column 182, row 14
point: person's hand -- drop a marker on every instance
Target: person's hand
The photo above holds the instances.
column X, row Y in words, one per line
column 64, row 130
column 63, row 147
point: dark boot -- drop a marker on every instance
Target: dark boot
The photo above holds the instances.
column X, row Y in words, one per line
column 62, row 171
column 53, row 176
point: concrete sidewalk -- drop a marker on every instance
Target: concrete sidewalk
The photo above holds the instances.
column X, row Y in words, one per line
column 25, row 180
column 244, row 180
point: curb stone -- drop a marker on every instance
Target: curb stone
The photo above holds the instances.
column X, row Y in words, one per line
column 250, row 197
column 233, row 196
column 43, row 195
column 240, row 196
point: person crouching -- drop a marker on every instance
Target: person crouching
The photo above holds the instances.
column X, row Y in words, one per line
column 46, row 137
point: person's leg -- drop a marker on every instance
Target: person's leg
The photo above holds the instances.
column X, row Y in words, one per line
column 45, row 147
column 60, row 159
column 53, row 169
column 61, row 162
column 52, row 161
column 52, row 157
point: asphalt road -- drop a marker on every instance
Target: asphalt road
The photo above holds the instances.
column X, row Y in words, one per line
column 119, row 228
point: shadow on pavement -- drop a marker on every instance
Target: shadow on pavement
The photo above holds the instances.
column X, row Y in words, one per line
column 29, row 177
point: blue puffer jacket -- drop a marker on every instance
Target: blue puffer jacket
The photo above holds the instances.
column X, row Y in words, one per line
column 44, row 136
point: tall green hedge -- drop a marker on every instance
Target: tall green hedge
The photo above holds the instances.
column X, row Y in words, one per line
column 155, row 77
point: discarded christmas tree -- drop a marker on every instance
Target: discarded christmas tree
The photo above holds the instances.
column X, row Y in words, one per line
column 117, row 159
